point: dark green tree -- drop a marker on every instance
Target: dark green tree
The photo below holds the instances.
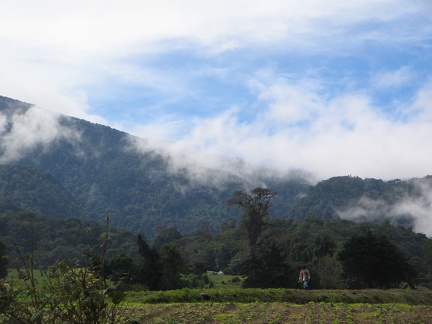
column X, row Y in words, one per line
column 173, row 266
column 265, row 265
column 3, row 260
column 166, row 235
column 268, row 271
column 255, row 205
column 151, row 273
column 371, row 261
column 123, row 270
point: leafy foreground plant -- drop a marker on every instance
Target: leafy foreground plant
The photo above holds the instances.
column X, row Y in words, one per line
column 68, row 295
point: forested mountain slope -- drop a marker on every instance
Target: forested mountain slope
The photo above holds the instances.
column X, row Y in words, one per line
column 405, row 203
column 27, row 188
column 68, row 167
column 52, row 239
column 97, row 166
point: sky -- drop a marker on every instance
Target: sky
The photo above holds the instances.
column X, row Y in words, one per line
column 331, row 87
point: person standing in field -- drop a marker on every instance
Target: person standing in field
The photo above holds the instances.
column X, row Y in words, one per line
column 304, row 277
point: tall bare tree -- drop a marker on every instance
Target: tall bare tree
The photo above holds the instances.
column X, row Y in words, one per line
column 255, row 205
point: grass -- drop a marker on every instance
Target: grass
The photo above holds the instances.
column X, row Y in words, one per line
column 238, row 295
column 237, row 305
column 227, row 302
column 226, row 281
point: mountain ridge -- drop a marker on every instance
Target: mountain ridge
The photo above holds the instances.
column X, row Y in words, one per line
column 96, row 165
column 101, row 170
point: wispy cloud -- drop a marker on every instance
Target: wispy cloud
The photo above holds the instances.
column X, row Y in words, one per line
column 294, row 127
column 392, row 79
column 414, row 205
column 35, row 128
column 287, row 83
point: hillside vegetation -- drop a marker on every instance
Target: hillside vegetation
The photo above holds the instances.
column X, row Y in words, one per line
column 88, row 168
column 51, row 239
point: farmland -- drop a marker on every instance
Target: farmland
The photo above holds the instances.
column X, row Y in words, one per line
column 236, row 305
column 279, row 312
column 227, row 302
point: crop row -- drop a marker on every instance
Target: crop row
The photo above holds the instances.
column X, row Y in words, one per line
column 280, row 313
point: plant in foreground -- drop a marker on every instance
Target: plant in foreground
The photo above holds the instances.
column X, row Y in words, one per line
column 68, row 295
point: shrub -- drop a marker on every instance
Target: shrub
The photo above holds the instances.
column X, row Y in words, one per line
column 68, row 295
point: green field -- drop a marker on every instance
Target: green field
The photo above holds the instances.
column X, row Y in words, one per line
column 228, row 303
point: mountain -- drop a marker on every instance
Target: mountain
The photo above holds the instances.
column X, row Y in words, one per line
column 405, row 203
column 27, row 188
column 102, row 170
column 52, row 239
column 67, row 167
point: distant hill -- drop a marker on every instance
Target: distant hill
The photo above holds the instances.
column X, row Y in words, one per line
column 67, row 167
column 27, row 188
column 95, row 165
column 53, row 239
column 347, row 197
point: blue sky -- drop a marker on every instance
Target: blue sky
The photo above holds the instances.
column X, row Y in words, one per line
column 331, row 87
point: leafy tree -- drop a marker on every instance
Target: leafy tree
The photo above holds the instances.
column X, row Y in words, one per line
column 324, row 245
column 122, row 270
column 3, row 260
column 255, row 205
column 155, row 269
column 371, row 261
column 265, row 267
column 269, row 271
column 151, row 273
column 329, row 271
column 173, row 266
column 166, row 235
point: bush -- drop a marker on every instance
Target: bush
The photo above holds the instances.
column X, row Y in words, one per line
column 68, row 295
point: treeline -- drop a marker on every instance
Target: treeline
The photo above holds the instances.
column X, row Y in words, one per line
column 339, row 254
column 52, row 239
column 266, row 252
column 269, row 252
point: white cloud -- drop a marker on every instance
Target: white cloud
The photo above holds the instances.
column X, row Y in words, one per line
column 415, row 205
column 392, row 79
column 344, row 135
column 32, row 129
column 97, row 27
column 204, row 168
column 61, row 55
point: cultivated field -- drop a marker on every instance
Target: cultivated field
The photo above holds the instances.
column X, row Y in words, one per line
column 226, row 302
column 236, row 305
column 281, row 313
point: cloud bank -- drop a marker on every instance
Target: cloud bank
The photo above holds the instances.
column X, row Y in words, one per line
column 332, row 87
column 294, row 127
column 414, row 205
column 33, row 128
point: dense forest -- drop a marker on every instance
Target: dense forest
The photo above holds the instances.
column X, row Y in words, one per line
column 280, row 247
column 55, row 239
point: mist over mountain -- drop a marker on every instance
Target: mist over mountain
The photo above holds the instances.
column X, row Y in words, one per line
column 67, row 167
column 105, row 169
